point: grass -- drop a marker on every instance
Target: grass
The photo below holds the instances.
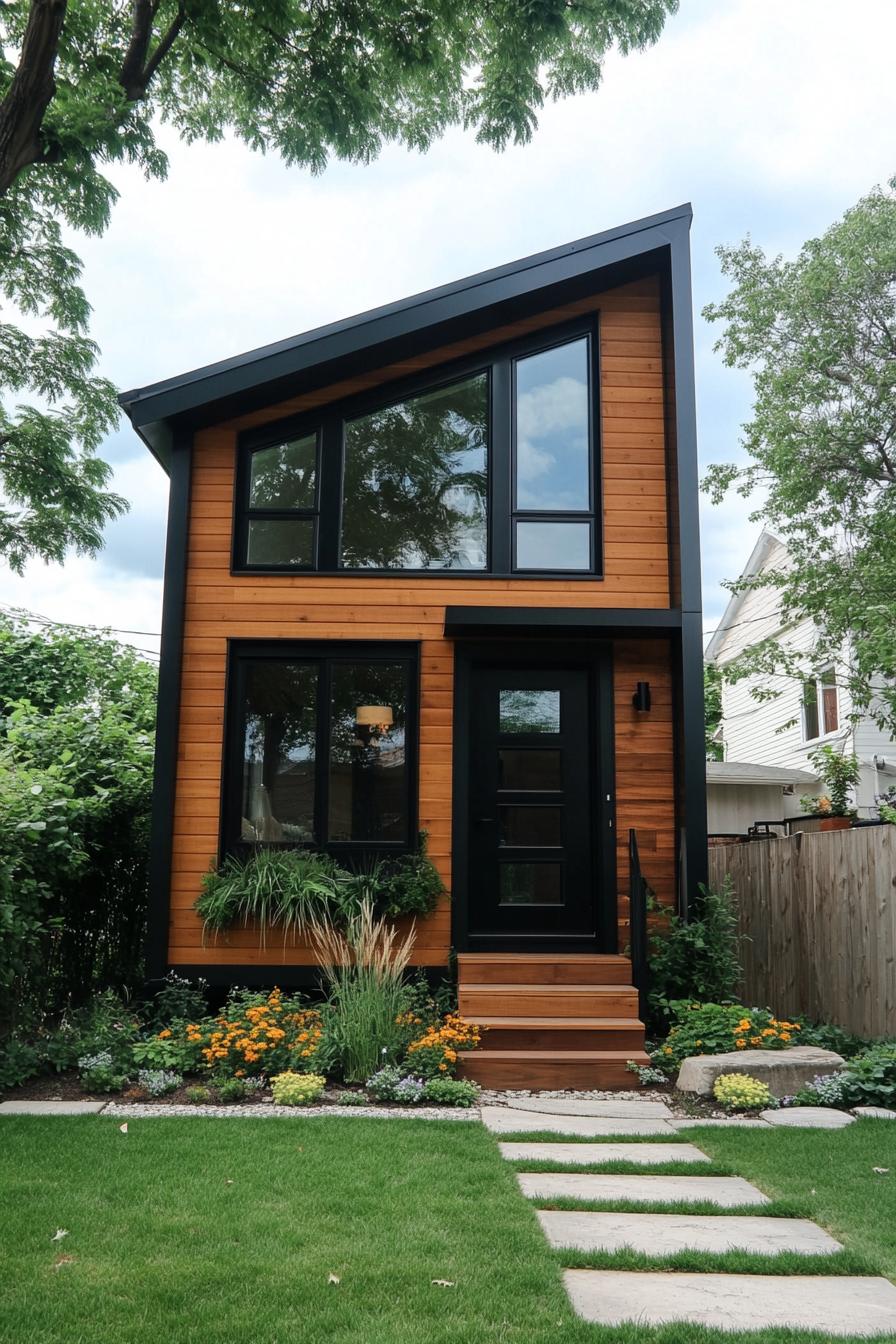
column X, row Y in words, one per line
column 226, row 1232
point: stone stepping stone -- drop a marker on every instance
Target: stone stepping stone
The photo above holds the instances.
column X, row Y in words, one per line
column 834, row 1305
column 668, row 1233
column 726, row 1191
column 809, row 1117
column 508, row 1120
column 583, row 1154
column 613, row 1110
column 51, row 1107
column 874, row 1112
column 729, row 1122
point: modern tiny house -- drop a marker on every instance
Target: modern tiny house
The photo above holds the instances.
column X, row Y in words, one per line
column 436, row 568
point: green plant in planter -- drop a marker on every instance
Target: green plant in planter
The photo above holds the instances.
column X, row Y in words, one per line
column 840, row 773
column 291, row 888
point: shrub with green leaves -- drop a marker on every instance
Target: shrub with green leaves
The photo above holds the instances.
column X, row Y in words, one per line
column 450, row 1092
column 824, row 1090
column 698, row 959
column 870, row 1078
column 287, row 888
column 719, row 1028
column 297, row 1089
column 390, row 1083
column 171, row 1048
column 739, row 1092
column 198, row 1095
column 158, row 1082
column 177, row 999
column 97, row 1073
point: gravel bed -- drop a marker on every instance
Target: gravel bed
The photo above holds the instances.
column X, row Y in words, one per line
column 138, row 1111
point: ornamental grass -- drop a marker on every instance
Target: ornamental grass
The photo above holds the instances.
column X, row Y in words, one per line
column 363, row 972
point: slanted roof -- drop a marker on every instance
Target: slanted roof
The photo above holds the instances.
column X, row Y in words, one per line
column 746, row 772
column 274, row 372
column 754, row 565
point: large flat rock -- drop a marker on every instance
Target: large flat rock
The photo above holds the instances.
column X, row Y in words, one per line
column 583, row 1154
column 51, row 1107
column 784, row 1071
column 726, row 1191
column 669, row 1233
column 874, row 1112
column 835, row 1305
column 808, row 1117
column 612, row 1110
column 508, row 1120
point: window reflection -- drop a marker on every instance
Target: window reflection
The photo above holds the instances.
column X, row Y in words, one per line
column 552, row 439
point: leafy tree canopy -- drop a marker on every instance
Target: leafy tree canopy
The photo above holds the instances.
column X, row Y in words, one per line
column 819, row 333
column 712, row 696
column 85, row 83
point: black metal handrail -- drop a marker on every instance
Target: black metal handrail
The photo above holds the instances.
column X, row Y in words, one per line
column 638, row 924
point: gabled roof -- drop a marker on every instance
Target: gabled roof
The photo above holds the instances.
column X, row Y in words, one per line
column 274, row 372
column 754, row 565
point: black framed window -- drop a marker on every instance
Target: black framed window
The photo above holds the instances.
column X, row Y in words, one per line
column 487, row 466
column 321, row 746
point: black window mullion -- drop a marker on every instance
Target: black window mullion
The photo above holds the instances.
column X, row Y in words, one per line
column 500, row 466
column 331, row 455
column 322, row 756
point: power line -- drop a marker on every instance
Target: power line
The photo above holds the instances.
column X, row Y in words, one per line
column 37, row 618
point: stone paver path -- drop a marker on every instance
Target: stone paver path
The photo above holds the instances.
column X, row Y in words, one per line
column 726, row 1191
column 584, row 1154
column 668, row 1233
column 618, row 1110
column 51, row 1107
column 509, row 1120
column 834, row 1305
column 808, row 1117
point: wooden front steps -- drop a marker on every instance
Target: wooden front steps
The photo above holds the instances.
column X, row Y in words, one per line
column 552, row 1020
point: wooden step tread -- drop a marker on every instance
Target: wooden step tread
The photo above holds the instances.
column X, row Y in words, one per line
column 545, row 958
column 505, row 987
column 561, row 1023
column 569, row 1056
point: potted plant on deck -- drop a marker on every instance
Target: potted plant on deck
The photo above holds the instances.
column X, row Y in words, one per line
column 840, row 774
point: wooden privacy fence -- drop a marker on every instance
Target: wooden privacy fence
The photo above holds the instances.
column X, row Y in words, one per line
column 818, row 912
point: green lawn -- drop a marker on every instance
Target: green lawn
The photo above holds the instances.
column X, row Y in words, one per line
column 226, row 1232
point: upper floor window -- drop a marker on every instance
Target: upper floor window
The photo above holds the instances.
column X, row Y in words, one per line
column 821, row 710
column 492, row 469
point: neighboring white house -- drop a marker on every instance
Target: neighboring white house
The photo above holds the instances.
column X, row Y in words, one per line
column 782, row 732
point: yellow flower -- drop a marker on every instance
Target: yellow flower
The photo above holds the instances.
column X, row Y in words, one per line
column 740, row 1044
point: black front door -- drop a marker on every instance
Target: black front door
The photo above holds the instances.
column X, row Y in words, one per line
column 537, row 809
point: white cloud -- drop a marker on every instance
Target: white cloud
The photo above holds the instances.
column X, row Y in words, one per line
column 770, row 118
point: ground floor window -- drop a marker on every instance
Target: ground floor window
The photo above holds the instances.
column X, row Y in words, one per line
column 321, row 745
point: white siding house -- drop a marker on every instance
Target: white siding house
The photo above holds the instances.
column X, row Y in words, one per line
column 783, row 732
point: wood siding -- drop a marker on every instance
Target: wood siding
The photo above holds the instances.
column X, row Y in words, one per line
column 222, row 606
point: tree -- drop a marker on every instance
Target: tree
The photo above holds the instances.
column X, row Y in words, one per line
column 819, row 332
column 712, row 696
column 89, row 81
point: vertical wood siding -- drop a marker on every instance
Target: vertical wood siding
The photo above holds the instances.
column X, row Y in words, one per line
column 221, row 606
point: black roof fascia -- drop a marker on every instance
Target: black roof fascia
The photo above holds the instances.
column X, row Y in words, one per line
column 282, row 369
column 585, row 622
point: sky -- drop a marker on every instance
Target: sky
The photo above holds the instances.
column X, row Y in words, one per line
column 770, row 116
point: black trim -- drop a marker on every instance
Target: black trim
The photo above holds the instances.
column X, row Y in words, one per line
column 264, row 376
column 168, row 709
column 497, row 364
column 601, row 622
column 325, row 654
column 536, row 653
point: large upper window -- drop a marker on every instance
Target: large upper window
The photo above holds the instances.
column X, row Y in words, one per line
column 320, row 747
column 416, row 482
column 493, row 470
column 821, row 710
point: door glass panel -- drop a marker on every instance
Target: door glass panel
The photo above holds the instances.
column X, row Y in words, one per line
column 368, row 786
column 283, row 477
column 552, row 430
column 281, row 541
column 553, row 546
column 533, row 827
column 525, row 770
column 529, row 711
column 416, row 482
column 279, row 736
column 530, row 884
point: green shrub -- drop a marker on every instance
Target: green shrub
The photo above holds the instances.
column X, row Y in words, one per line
column 198, row 1095
column 824, row 1090
column 171, row 1048
column 697, row 960
column 390, row 1084
column 408, row 884
column 719, row 1028
column 158, row 1082
column 232, row 1089
column 739, row 1092
column 451, row 1092
column 177, row 999
column 297, row 1089
column 870, row 1078
column 363, row 972
column 19, row 1061
column 97, row 1073
column 840, row 772
column 828, row 1037
column 351, row 1099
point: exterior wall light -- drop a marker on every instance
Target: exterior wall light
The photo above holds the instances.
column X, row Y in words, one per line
column 641, row 697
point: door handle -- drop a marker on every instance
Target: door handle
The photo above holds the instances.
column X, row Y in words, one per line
column 481, row 821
